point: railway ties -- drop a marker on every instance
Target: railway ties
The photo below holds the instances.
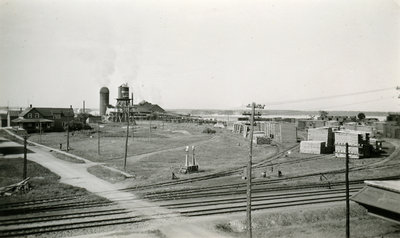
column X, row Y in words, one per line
column 58, row 215
column 214, row 205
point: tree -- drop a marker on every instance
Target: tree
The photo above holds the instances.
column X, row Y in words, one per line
column 323, row 114
column 361, row 116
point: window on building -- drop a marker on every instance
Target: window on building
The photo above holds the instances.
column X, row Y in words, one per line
column 36, row 115
column 57, row 116
column 29, row 115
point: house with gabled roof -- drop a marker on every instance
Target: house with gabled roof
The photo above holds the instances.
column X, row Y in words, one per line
column 34, row 119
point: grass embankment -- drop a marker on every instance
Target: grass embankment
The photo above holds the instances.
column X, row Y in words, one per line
column 319, row 221
column 43, row 182
column 106, row 174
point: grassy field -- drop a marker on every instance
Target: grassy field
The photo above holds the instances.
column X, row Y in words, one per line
column 43, row 182
column 313, row 222
column 214, row 152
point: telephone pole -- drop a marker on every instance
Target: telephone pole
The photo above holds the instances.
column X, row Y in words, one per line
column 68, row 137
column 98, row 138
column 127, row 136
column 25, row 159
column 253, row 107
column 347, row 193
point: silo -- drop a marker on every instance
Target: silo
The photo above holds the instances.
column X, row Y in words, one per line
column 123, row 91
column 104, row 100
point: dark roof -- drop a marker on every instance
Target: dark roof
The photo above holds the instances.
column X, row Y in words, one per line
column 21, row 119
column 383, row 201
column 144, row 107
column 49, row 111
column 14, row 113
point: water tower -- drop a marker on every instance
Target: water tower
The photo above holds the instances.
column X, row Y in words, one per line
column 124, row 103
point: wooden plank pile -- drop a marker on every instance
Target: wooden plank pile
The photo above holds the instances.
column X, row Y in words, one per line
column 9, row 190
column 312, row 147
column 322, row 134
column 358, row 143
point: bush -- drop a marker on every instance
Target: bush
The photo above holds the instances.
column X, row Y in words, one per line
column 209, row 131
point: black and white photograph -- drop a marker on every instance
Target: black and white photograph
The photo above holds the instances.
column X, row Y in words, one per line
column 200, row 118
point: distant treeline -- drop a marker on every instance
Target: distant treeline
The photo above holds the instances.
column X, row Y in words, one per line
column 272, row 112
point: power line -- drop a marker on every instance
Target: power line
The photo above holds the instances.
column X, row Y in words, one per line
column 355, row 103
column 330, row 97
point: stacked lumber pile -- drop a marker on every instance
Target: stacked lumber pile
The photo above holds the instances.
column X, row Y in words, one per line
column 9, row 190
column 358, row 144
column 312, row 147
column 322, row 134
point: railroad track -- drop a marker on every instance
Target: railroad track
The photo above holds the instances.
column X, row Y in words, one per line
column 12, row 220
column 181, row 194
column 66, row 225
column 53, row 207
column 211, row 204
column 60, row 214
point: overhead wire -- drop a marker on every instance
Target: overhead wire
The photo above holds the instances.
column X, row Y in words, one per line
column 329, row 97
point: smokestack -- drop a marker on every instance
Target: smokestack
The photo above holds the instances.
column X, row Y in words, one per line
column 132, row 98
column 83, row 106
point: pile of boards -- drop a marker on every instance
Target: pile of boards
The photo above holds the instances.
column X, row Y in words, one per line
column 9, row 190
column 312, row 147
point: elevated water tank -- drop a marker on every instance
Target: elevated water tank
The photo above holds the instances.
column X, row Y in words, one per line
column 104, row 100
column 123, row 91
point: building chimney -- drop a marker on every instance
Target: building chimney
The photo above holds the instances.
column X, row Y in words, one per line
column 83, row 106
column 70, row 106
column 30, row 105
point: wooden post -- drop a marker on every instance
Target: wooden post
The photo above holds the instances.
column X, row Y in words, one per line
column 249, row 172
column 98, row 138
column 40, row 131
column 68, row 136
column 347, row 193
column 150, row 129
column 127, row 136
column 25, row 159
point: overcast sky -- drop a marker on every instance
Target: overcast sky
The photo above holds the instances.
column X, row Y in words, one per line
column 202, row 53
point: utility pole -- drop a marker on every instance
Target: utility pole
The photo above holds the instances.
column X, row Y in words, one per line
column 150, row 128
column 98, row 138
column 68, row 136
column 25, row 159
column 347, row 193
column 40, row 131
column 249, row 174
column 127, row 136
column 249, row 171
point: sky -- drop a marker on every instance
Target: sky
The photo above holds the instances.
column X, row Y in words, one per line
column 202, row 54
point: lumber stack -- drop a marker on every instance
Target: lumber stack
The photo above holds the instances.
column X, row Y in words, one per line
column 312, row 147
column 322, row 134
column 358, row 143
